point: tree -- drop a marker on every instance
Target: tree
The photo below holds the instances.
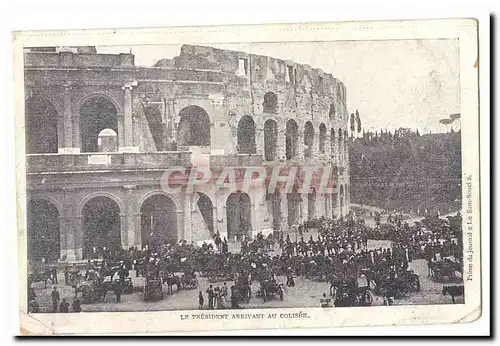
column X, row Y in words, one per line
column 358, row 121
column 352, row 122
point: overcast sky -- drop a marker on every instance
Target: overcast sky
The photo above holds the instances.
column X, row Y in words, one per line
column 402, row 83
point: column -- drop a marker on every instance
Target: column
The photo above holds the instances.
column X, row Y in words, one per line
column 304, row 207
column 132, row 234
column 71, row 225
column 284, row 211
column 327, row 155
column 300, row 144
column 315, row 146
column 128, row 124
column 281, row 142
column 259, row 140
column 67, row 147
column 187, row 234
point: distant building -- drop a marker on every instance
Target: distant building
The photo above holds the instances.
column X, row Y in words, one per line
column 100, row 132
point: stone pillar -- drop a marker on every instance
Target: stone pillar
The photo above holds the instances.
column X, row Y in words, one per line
column 67, row 144
column 64, row 225
column 187, row 234
column 128, row 123
column 281, row 142
column 259, row 140
column 327, row 154
column 304, row 207
column 300, row 144
column 220, row 214
column 284, row 211
column 315, row 146
column 132, row 234
column 72, row 228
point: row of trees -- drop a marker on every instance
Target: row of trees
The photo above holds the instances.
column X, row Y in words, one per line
column 406, row 170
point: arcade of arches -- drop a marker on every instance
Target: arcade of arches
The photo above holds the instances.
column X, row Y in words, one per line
column 101, row 224
column 41, row 126
column 238, row 209
column 246, row 136
column 158, row 221
column 96, row 114
column 194, row 127
column 43, row 231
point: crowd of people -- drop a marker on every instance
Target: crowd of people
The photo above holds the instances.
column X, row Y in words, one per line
column 338, row 255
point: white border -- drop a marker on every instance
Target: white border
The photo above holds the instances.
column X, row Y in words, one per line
column 276, row 14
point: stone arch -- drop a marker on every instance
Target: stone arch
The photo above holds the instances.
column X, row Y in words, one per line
column 239, row 215
column 322, row 138
column 206, row 208
column 292, row 137
column 78, row 105
column 194, row 127
column 158, row 220
column 270, row 139
column 308, row 139
column 246, row 135
column 43, row 229
column 173, row 197
column 92, row 195
column 96, row 113
column 270, row 104
column 41, row 123
column 101, row 225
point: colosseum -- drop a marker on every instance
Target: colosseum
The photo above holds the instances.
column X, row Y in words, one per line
column 100, row 132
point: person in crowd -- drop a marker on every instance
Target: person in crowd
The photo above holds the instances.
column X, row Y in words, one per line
column 55, row 299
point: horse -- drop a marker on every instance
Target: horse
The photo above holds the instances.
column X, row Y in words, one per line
column 171, row 280
column 453, row 291
column 50, row 274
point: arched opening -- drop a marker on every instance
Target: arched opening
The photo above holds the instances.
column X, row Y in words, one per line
column 41, row 126
column 43, row 233
column 207, row 211
column 101, row 225
column 332, row 142
column 107, row 141
column 238, row 216
column 291, row 139
column 194, row 127
column 270, row 139
column 270, row 103
column 308, row 139
column 311, row 205
column 322, row 138
column 340, row 146
column 158, row 221
column 246, row 135
column 96, row 114
column 293, row 200
column 341, row 199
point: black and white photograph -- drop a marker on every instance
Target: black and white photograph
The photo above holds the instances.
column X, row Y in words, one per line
column 231, row 179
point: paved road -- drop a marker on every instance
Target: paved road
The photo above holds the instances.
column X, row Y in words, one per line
column 306, row 293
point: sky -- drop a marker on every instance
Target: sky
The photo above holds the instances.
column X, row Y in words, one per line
column 392, row 83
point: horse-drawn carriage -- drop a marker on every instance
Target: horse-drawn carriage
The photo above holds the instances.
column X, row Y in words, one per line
column 270, row 288
column 153, row 288
column 445, row 270
column 43, row 274
column 347, row 293
column 242, row 288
